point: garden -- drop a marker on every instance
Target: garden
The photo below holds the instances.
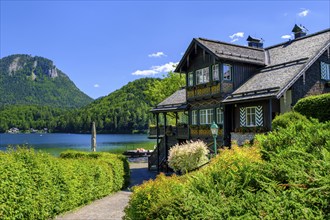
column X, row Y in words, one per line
column 284, row 174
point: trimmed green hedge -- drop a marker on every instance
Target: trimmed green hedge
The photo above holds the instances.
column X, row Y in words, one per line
column 284, row 121
column 315, row 107
column 284, row 175
column 39, row 186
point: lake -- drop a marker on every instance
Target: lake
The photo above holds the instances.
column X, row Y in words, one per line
column 56, row 143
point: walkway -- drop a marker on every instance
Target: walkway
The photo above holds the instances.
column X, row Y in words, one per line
column 112, row 206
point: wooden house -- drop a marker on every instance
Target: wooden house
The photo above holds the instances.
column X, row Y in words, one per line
column 241, row 88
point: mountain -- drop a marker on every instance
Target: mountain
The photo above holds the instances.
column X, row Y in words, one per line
column 28, row 80
column 126, row 110
column 123, row 111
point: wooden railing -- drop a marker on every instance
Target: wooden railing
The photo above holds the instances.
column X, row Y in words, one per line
column 203, row 132
column 204, row 90
column 180, row 132
column 153, row 159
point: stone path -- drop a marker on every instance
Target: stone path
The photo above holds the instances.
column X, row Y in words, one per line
column 112, row 206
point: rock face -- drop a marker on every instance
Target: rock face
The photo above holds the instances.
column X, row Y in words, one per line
column 14, row 66
column 26, row 79
column 52, row 73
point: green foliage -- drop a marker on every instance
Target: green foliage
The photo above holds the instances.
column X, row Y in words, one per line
column 25, row 117
column 26, row 80
column 283, row 121
column 124, row 111
column 188, row 156
column 166, row 87
column 39, row 186
column 315, row 107
column 118, row 163
column 284, row 175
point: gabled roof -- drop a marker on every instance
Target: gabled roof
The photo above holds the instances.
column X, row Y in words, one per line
column 286, row 62
column 226, row 51
column 175, row 102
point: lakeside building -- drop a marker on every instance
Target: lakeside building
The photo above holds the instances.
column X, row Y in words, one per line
column 241, row 88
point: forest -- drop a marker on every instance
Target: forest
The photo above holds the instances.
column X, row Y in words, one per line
column 125, row 110
column 28, row 80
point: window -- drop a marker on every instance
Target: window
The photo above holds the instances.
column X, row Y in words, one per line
column 190, row 79
column 194, row 117
column 206, row 116
column 227, row 72
column 202, row 76
column 325, row 71
column 251, row 116
column 219, row 116
column 215, row 72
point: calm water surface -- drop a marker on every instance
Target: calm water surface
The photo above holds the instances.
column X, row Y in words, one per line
column 56, row 143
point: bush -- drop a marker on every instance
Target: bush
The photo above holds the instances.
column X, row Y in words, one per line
column 39, row 186
column 315, row 107
column 188, row 156
column 118, row 163
column 283, row 121
column 291, row 182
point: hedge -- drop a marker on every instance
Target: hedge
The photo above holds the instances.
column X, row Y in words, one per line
column 40, row 186
column 284, row 175
column 315, row 107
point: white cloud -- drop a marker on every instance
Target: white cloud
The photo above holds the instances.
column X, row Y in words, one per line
column 286, row 36
column 156, row 69
column 96, row 85
column 304, row 13
column 233, row 40
column 158, row 54
column 236, row 35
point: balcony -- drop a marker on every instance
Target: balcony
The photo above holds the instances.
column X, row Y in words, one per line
column 202, row 131
column 204, row 90
column 181, row 132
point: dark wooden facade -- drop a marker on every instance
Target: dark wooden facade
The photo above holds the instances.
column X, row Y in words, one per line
column 264, row 83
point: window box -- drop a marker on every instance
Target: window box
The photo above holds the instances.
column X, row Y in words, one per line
column 256, row 129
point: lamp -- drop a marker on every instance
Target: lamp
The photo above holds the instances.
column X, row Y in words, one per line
column 214, row 130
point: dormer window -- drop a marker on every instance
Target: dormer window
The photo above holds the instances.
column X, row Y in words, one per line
column 215, row 72
column 202, row 76
column 325, row 71
column 227, row 72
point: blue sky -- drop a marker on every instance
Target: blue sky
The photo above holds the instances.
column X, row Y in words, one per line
column 102, row 45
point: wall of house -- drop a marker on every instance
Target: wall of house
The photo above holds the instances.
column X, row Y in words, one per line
column 241, row 73
column 286, row 101
column 266, row 113
column 313, row 84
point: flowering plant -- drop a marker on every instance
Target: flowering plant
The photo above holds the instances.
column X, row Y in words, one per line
column 188, row 156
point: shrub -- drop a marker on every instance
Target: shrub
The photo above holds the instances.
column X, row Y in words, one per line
column 39, row 186
column 315, row 107
column 118, row 163
column 283, row 121
column 188, row 156
column 292, row 182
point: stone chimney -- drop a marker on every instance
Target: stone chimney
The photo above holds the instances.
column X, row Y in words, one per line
column 299, row 31
column 255, row 42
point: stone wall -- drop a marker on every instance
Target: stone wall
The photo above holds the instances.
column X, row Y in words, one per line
column 240, row 138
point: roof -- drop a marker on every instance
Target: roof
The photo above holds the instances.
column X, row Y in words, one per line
column 175, row 102
column 227, row 51
column 286, row 62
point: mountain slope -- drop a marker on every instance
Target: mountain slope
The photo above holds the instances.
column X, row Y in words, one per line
column 27, row 80
column 122, row 111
